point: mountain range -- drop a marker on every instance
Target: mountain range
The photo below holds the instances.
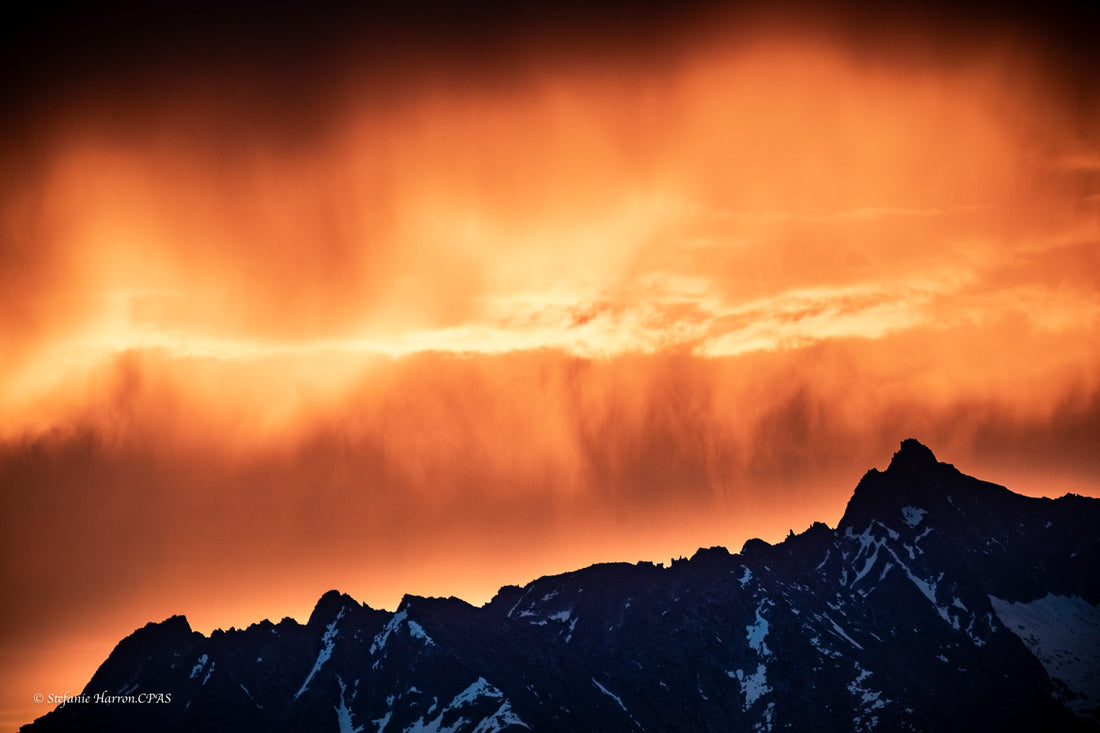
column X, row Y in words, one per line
column 939, row 603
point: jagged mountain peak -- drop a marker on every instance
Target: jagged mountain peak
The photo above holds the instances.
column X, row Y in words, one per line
column 416, row 606
column 711, row 556
column 940, row 602
column 913, row 456
column 755, row 547
column 914, row 478
column 169, row 630
column 329, row 605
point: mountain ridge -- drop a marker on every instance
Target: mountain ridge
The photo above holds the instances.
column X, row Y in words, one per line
column 895, row 620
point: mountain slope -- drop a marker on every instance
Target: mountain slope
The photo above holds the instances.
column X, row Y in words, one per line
column 940, row 602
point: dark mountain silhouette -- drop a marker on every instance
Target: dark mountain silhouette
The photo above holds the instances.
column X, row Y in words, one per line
column 939, row 603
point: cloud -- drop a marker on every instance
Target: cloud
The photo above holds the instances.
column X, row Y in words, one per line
column 429, row 452
column 1083, row 162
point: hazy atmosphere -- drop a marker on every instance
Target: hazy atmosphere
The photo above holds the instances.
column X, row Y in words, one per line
column 390, row 305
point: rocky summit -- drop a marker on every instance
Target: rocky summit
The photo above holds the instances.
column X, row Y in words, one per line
column 939, row 603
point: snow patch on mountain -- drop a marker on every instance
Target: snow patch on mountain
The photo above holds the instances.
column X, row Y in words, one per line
column 384, row 635
column 616, row 698
column 610, row 694
column 501, row 719
column 328, row 642
column 199, row 664
column 753, row 686
column 383, row 721
column 417, row 632
column 250, row 698
column 343, row 712
column 766, row 724
column 745, row 578
column 400, row 618
column 912, row 515
column 840, row 632
column 867, row 700
column 1063, row 632
column 756, row 632
column 927, row 589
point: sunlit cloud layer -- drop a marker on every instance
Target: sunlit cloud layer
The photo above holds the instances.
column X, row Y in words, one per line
column 694, row 211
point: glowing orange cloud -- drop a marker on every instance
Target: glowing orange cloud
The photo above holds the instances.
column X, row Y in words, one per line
column 550, row 218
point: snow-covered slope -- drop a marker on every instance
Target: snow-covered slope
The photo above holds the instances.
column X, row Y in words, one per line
column 1063, row 632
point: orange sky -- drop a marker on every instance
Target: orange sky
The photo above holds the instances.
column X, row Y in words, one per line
column 393, row 324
